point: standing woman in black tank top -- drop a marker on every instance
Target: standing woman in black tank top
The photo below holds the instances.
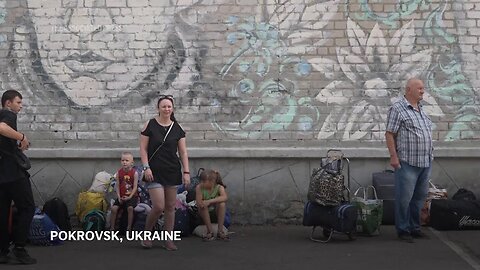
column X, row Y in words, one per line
column 160, row 140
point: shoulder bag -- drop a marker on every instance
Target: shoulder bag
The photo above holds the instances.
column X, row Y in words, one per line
column 22, row 160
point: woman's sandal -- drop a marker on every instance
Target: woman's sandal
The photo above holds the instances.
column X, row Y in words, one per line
column 170, row 246
column 222, row 236
column 147, row 244
column 208, row 237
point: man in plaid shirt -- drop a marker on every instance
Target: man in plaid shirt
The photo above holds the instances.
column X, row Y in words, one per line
column 409, row 141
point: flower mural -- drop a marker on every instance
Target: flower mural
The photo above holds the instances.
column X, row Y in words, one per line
column 374, row 72
column 268, row 56
column 391, row 17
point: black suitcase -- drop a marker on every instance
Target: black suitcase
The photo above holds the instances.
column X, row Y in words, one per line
column 341, row 218
column 384, row 183
column 455, row 215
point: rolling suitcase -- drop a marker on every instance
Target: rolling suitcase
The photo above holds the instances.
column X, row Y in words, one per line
column 384, row 183
column 340, row 216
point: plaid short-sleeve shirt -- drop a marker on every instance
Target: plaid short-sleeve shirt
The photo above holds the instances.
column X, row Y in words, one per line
column 413, row 131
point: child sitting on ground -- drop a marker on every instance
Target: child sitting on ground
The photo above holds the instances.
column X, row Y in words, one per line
column 126, row 188
column 211, row 200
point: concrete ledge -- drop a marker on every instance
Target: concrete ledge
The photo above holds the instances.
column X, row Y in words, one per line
column 245, row 152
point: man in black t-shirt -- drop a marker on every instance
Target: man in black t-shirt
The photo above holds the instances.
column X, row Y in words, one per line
column 14, row 183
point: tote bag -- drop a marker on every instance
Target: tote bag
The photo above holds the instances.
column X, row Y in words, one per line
column 370, row 211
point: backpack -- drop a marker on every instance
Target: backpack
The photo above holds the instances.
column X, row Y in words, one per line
column 94, row 221
column 464, row 194
column 40, row 230
column 57, row 210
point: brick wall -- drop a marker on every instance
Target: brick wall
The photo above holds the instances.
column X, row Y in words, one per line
column 249, row 76
column 239, row 70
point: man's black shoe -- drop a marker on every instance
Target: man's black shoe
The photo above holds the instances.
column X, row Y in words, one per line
column 406, row 238
column 4, row 258
column 21, row 256
column 419, row 235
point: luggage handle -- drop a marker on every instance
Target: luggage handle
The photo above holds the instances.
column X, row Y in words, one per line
column 358, row 189
column 330, row 160
column 334, row 155
column 374, row 191
column 432, row 185
column 338, row 154
column 365, row 191
column 200, row 171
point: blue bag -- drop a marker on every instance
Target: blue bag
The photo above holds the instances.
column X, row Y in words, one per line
column 182, row 222
column 40, row 230
column 228, row 219
column 341, row 218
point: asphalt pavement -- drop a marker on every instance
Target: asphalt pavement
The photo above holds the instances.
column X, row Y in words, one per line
column 270, row 247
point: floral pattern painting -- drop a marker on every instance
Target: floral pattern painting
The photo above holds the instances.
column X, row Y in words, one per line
column 269, row 53
column 356, row 86
column 373, row 76
column 316, row 70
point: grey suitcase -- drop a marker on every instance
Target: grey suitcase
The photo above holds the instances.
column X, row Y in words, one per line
column 384, row 183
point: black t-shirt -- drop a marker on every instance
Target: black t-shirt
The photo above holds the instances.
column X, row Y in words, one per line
column 165, row 165
column 9, row 169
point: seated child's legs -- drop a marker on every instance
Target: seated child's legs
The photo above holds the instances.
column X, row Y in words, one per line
column 221, row 209
column 205, row 215
column 113, row 216
column 131, row 204
column 130, row 218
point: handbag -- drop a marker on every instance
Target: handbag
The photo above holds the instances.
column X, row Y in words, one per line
column 327, row 183
column 434, row 193
column 370, row 211
column 158, row 148
column 22, row 160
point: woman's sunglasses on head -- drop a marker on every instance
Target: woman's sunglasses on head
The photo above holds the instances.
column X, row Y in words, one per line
column 166, row 96
column 163, row 97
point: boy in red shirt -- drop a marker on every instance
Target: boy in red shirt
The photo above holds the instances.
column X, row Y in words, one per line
column 126, row 187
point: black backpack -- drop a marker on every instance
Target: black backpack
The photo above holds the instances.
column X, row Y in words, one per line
column 464, row 194
column 57, row 210
column 194, row 181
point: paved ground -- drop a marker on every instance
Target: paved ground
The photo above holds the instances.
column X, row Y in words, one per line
column 271, row 247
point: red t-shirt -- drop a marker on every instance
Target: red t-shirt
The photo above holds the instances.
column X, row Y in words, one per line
column 125, row 181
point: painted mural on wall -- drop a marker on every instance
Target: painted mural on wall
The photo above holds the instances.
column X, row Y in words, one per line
column 372, row 79
column 91, row 56
column 445, row 76
column 316, row 67
column 269, row 57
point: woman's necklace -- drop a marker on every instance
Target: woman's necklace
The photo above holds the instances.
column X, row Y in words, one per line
column 163, row 125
